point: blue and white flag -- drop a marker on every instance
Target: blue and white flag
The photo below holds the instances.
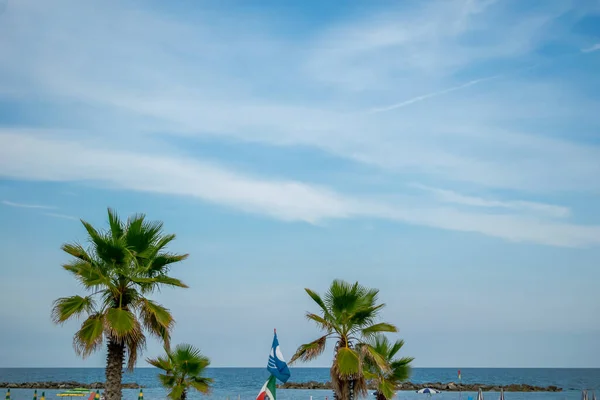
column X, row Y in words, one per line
column 277, row 365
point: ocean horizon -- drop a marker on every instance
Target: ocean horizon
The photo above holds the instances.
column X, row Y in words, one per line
column 233, row 382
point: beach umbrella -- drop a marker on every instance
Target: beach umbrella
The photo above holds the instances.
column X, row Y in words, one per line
column 43, row 396
column 8, row 394
column 584, row 395
column 480, row 394
column 98, row 395
column 35, row 394
column 141, row 395
column 428, row 391
column 594, row 395
column 501, row 393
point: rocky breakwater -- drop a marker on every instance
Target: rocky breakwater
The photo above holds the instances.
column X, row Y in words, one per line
column 62, row 385
column 448, row 387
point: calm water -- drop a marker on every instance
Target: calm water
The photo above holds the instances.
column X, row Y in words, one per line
column 245, row 382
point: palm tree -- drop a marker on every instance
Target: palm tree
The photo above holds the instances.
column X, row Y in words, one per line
column 348, row 315
column 121, row 267
column 183, row 368
column 386, row 380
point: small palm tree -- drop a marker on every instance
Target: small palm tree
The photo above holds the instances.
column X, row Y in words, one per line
column 348, row 315
column 123, row 265
column 399, row 369
column 183, row 368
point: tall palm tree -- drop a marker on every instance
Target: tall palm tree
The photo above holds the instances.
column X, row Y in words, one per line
column 121, row 267
column 348, row 315
column 183, row 368
column 386, row 380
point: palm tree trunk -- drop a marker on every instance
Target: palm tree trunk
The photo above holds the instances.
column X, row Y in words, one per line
column 183, row 395
column 114, row 370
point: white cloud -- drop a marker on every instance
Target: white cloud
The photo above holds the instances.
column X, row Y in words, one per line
column 29, row 155
column 449, row 196
column 22, row 205
column 591, row 49
column 63, row 216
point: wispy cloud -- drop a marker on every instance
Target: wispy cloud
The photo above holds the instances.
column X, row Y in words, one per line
column 63, row 216
column 449, row 196
column 591, row 49
column 30, row 156
column 431, row 95
column 23, row 205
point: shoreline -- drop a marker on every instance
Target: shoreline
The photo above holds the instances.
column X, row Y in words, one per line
column 311, row 385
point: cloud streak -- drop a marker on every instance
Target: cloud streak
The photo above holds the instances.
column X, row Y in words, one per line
column 63, row 216
column 449, row 196
column 26, row 155
column 432, row 95
column 23, row 205
column 591, row 49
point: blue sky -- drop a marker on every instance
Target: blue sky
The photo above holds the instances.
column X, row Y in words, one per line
column 446, row 152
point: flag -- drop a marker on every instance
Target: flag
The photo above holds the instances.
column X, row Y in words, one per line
column 268, row 390
column 277, row 365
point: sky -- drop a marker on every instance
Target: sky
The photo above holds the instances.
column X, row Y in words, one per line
column 445, row 152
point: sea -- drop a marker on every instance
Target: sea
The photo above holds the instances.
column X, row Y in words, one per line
column 245, row 383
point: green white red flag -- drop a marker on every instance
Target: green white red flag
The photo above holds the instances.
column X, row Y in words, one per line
column 267, row 392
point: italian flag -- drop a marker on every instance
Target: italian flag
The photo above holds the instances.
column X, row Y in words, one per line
column 268, row 390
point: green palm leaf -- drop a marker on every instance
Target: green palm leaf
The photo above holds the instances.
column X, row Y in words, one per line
column 348, row 361
column 89, row 337
column 66, row 307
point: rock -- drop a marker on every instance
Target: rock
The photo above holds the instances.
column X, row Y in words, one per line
column 450, row 387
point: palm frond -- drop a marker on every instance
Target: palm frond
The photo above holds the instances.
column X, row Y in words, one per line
column 121, row 323
column 378, row 328
column 66, row 307
column 395, row 348
column 89, row 337
column 88, row 274
column 135, row 344
column 156, row 319
column 317, row 299
column 387, row 388
column 76, row 250
column 176, row 392
column 310, row 351
column 321, row 322
column 167, row 380
column 348, row 362
column 115, row 224
column 160, row 261
column 201, row 384
column 161, row 362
